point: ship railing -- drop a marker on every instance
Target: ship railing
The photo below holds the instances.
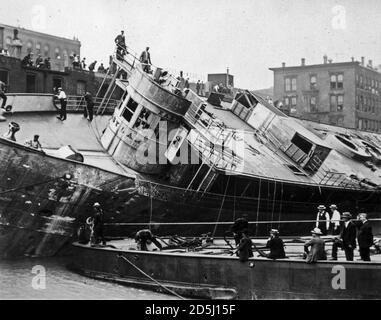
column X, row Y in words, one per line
column 78, row 104
column 130, row 61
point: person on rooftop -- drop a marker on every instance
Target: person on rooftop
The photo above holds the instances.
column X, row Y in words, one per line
column 145, row 59
column 92, row 66
column 121, row 48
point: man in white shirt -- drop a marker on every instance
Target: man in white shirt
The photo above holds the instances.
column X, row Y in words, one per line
column 63, row 100
column 322, row 220
column 335, row 220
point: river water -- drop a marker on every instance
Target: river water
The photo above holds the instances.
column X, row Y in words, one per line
column 17, row 281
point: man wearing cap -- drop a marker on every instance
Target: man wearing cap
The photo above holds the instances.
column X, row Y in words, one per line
column 98, row 224
column 335, row 220
column 276, row 246
column 346, row 239
column 63, row 100
column 317, row 245
column 364, row 236
column 322, row 220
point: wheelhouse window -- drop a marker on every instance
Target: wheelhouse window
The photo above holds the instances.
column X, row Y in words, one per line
column 130, row 109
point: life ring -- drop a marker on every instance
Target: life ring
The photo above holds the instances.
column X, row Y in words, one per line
column 348, row 147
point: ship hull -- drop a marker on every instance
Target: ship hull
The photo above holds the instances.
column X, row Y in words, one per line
column 224, row 277
column 40, row 210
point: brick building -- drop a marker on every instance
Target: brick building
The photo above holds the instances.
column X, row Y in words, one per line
column 19, row 42
column 346, row 94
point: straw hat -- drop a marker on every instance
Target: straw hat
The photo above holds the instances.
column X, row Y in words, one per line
column 347, row 215
column 321, row 207
column 96, row 204
column 275, row 231
column 316, row 231
column 333, row 206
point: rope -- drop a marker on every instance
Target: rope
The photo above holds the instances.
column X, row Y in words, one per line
column 213, row 223
column 222, row 204
column 281, row 202
column 272, row 212
column 259, row 200
column 149, row 277
column 29, row 186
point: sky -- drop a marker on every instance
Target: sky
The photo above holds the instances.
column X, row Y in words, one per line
column 207, row 36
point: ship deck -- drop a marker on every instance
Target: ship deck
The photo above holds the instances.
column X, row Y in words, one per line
column 294, row 249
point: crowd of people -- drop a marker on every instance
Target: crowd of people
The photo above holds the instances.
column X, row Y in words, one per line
column 349, row 233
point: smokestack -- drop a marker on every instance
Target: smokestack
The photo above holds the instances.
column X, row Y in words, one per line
column 330, row 60
column 353, row 59
column 283, row 64
column 370, row 63
column 227, row 70
column 303, row 62
column 362, row 61
column 325, row 59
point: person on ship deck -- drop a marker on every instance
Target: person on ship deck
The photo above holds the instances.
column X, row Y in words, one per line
column 322, row 220
column 240, row 225
column 317, row 245
column 276, row 246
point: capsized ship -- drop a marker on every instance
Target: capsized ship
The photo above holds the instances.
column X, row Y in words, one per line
column 171, row 160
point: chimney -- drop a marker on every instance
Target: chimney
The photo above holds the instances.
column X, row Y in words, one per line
column 325, row 59
column 362, row 61
column 330, row 60
column 370, row 63
column 283, row 64
column 227, row 70
column 353, row 59
column 303, row 62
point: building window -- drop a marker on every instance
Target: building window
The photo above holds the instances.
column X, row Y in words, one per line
column 333, row 103
column 313, row 82
column 38, row 48
column 30, row 83
column 46, row 50
column 290, row 84
column 340, row 102
column 57, row 83
column 313, row 106
column 337, row 81
column 29, row 47
column 8, row 42
column 57, row 53
column 81, row 88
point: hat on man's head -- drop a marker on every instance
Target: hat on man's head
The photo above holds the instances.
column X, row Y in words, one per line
column 333, row 206
column 274, row 231
column 316, row 231
column 96, row 204
column 321, row 207
column 59, row 88
column 347, row 215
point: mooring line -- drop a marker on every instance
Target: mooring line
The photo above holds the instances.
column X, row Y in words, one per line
column 149, row 277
